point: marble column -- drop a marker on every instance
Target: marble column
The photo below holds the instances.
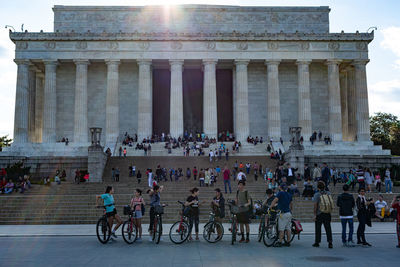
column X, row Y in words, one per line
column 210, row 113
column 351, row 107
column 81, row 129
column 176, row 104
column 31, row 106
column 343, row 104
column 335, row 116
column 50, row 102
column 145, row 100
column 273, row 100
column 112, row 102
column 303, row 76
column 21, row 102
column 241, row 101
column 39, row 106
column 362, row 111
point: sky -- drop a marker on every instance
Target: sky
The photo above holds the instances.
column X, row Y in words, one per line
column 383, row 71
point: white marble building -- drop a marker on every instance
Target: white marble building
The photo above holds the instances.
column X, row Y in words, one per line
column 96, row 70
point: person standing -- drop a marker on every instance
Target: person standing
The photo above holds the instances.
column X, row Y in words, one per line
column 139, row 177
column 362, row 216
column 346, row 204
column 120, row 151
column 150, row 178
column 388, row 181
column 227, row 154
column 202, row 176
column 138, row 202
column 316, row 173
column 218, row 206
column 396, row 205
column 227, row 179
column 323, row 205
column 307, row 172
column 326, row 175
column 285, row 205
column 243, row 200
column 113, row 174
column 125, row 152
column 117, row 174
column 360, row 178
column 193, row 202
column 155, row 198
column 289, row 174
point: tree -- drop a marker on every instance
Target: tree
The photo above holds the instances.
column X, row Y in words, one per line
column 4, row 141
column 385, row 131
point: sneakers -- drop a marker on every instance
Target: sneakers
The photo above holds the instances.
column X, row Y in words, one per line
column 247, row 240
column 278, row 244
column 366, row 244
column 242, row 240
column 316, row 245
column 150, row 239
column 351, row 244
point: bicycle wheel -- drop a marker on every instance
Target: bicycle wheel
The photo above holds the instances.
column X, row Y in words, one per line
column 270, row 235
column 261, row 230
column 213, row 232
column 158, row 231
column 103, row 230
column 292, row 233
column 234, row 231
column 179, row 232
column 129, row 231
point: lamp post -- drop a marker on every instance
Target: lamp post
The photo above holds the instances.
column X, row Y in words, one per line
column 95, row 135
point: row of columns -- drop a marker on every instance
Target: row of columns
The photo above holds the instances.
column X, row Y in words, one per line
column 36, row 105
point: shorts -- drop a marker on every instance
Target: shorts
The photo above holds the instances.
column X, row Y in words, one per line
column 138, row 214
column 111, row 213
column 243, row 217
column 284, row 221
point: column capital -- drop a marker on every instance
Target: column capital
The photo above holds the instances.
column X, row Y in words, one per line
column 242, row 62
column 333, row 62
column 176, row 62
column 210, row 61
column 50, row 62
column 359, row 62
column 144, row 61
column 112, row 61
column 81, row 61
column 269, row 62
column 303, row 61
column 21, row 61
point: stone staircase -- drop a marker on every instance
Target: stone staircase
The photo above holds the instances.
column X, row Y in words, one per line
column 75, row 203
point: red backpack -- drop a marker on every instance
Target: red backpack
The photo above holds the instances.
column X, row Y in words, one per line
column 299, row 228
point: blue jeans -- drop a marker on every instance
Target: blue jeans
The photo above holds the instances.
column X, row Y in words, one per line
column 227, row 182
column 8, row 190
column 388, row 185
column 351, row 229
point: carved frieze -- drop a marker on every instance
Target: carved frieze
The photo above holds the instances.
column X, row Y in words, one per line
column 112, row 45
column 22, row 45
column 50, row 45
column 334, row 46
column 361, row 46
column 211, row 45
column 176, row 45
column 242, row 46
column 144, row 45
column 273, row 46
column 81, row 45
column 304, row 46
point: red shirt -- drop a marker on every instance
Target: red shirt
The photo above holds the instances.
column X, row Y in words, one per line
column 3, row 183
column 226, row 174
column 397, row 207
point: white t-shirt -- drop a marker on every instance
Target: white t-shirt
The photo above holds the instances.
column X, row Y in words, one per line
column 240, row 176
column 379, row 205
column 290, row 173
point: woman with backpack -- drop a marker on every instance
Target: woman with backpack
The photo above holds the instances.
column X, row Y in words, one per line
column 139, row 202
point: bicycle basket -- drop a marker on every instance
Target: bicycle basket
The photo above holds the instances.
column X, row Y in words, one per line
column 159, row 209
column 127, row 210
column 234, row 209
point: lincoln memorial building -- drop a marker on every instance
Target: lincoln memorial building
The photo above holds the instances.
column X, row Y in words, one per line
column 197, row 68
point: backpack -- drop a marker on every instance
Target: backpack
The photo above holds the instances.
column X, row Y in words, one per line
column 326, row 203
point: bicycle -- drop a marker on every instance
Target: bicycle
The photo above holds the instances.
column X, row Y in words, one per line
column 271, row 233
column 211, row 228
column 129, row 229
column 261, row 211
column 179, row 231
column 234, row 210
column 103, row 229
column 157, row 225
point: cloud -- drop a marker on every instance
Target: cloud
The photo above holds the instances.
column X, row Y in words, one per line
column 391, row 41
column 384, row 96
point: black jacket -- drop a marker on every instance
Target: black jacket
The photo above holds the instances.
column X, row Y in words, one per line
column 346, row 203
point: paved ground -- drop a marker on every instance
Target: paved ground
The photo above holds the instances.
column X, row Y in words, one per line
column 87, row 251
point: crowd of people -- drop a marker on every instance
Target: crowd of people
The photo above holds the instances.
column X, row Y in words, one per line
column 21, row 185
column 314, row 137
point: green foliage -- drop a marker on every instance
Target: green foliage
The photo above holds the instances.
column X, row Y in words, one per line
column 385, row 131
column 4, row 141
column 17, row 170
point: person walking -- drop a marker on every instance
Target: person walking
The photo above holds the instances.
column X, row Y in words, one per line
column 396, row 205
column 326, row 175
column 362, row 216
column 323, row 206
column 388, row 181
column 346, row 204
column 316, row 174
column 227, row 179
column 139, row 176
column 117, row 174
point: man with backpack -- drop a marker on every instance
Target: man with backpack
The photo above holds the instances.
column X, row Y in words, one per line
column 245, row 205
column 346, row 204
column 323, row 206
